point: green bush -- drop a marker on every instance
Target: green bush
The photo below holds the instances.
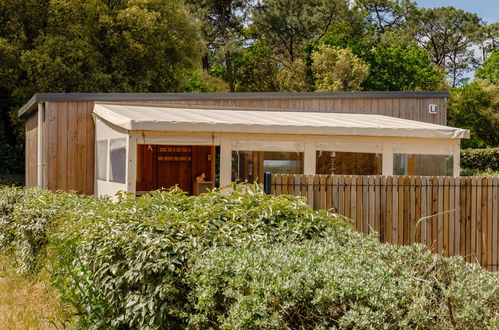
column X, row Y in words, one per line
column 480, row 160
column 477, row 172
column 9, row 198
column 344, row 280
column 28, row 217
column 124, row 264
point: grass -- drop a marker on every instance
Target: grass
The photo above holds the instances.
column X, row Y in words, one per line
column 28, row 302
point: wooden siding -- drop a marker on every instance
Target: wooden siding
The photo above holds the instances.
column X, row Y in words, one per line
column 31, row 156
column 70, row 135
column 407, row 108
column 451, row 216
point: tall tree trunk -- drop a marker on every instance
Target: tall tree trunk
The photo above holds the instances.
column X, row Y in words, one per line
column 205, row 60
column 454, row 70
column 225, row 32
column 230, row 73
column 7, row 133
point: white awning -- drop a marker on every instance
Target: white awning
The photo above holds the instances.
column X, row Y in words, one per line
column 149, row 118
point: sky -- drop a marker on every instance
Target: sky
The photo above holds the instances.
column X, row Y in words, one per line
column 488, row 10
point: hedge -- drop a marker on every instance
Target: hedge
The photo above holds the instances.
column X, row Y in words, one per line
column 480, row 159
column 233, row 260
column 344, row 280
column 124, row 263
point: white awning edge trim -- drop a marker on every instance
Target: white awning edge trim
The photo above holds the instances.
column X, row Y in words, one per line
column 273, row 145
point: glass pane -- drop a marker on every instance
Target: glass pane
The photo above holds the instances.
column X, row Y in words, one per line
column 101, row 160
column 426, row 165
column 348, row 163
column 251, row 165
column 118, row 160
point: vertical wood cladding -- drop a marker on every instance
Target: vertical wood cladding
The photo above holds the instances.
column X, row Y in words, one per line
column 69, row 131
column 70, row 135
column 31, row 157
column 407, row 108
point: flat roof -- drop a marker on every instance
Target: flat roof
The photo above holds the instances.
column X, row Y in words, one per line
column 151, row 118
column 125, row 97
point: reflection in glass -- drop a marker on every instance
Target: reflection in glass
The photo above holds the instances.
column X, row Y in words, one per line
column 118, row 160
column 426, row 165
column 101, row 154
column 251, row 165
column 348, row 163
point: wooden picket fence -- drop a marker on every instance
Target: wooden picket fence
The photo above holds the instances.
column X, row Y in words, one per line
column 452, row 216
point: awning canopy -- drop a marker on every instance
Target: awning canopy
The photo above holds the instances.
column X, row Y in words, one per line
column 150, row 118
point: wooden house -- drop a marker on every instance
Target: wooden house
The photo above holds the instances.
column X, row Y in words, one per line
column 104, row 143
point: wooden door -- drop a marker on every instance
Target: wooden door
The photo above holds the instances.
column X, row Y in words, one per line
column 163, row 166
column 174, row 167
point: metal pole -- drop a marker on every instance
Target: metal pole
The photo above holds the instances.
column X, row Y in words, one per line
column 267, row 177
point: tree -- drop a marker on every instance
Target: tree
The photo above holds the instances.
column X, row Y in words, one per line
column 377, row 31
column 221, row 24
column 401, row 68
column 255, row 70
column 287, row 26
column 384, row 16
column 475, row 106
column 488, row 38
column 91, row 46
column 293, row 77
column 139, row 46
column 20, row 23
column 337, row 69
column 447, row 34
column 490, row 69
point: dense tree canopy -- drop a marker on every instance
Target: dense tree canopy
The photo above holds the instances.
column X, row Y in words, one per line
column 287, row 26
column 401, row 67
column 475, row 106
column 221, row 25
column 490, row 68
column 447, row 34
column 92, row 46
column 337, row 69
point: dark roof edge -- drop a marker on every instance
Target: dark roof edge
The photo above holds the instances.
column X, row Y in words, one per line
column 75, row 97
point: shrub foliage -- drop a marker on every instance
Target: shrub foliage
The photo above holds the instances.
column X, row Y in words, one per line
column 233, row 260
column 480, row 159
column 343, row 280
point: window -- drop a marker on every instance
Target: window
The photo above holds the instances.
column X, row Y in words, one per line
column 101, row 160
column 348, row 163
column 426, row 165
column 118, row 160
column 251, row 165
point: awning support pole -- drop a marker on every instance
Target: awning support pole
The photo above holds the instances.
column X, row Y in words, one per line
column 387, row 162
column 309, row 157
column 457, row 159
column 225, row 161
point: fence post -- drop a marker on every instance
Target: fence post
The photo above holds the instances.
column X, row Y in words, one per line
column 267, row 182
